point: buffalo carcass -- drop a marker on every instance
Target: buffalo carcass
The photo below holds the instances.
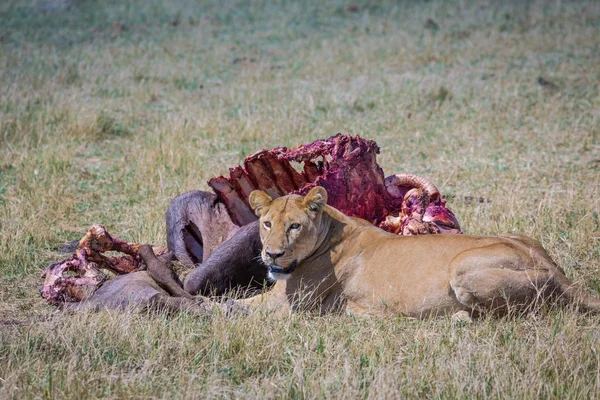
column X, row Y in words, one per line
column 216, row 234
column 345, row 166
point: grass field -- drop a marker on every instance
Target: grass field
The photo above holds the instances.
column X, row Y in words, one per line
column 109, row 109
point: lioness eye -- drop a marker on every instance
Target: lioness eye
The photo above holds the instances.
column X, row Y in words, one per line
column 267, row 224
column 295, row 226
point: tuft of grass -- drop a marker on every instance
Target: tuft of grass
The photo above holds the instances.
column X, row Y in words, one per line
column 110, row 109
column 108, row 126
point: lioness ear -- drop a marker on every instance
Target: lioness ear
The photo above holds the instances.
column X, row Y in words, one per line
column 315, row 199
column 259, row 201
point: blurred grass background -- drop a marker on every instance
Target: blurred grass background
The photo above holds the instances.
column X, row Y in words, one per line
column 109, row 109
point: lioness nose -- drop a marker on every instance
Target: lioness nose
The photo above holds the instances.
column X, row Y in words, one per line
column 274, row 255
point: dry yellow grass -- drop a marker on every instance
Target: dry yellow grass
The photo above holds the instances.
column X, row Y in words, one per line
column 109, row 109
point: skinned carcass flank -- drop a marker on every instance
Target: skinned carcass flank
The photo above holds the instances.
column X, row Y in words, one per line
column 347, row 168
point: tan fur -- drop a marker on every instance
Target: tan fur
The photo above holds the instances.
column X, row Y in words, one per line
column 344, row 263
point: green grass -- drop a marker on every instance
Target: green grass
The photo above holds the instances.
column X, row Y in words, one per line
column 109, row 109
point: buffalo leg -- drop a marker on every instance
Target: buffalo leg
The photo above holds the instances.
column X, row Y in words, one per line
column 197, row 223
column 162, row 273
column 234, row 264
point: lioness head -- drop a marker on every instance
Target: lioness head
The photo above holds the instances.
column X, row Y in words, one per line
column 289, row 228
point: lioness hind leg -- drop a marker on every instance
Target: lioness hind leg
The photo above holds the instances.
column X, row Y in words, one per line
column 500, row 290
column 497, row 279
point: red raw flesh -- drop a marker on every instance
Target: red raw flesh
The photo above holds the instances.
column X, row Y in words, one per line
column 347, row 168
column 83, row 269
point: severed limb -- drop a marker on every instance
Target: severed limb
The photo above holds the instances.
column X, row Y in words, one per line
column 77, row 278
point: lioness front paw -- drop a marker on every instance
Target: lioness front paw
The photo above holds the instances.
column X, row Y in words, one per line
column 462, row 317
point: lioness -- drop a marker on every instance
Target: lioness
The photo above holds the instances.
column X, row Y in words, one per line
column 324, row 260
